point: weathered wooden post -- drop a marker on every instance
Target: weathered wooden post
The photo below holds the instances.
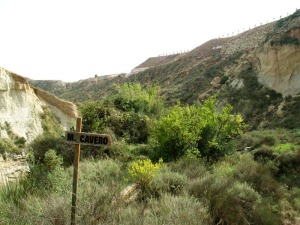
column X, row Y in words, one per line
column 80, row 138
column 75, row 173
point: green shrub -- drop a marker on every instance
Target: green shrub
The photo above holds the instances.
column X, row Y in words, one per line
column 177, row 210
column 127, row 113
column 267, row 212
column 48, row 175
column 267, row 137
column 288, row 168
column 143, row 172
column 196, row 131
column 226, row 166
column 258, row 176
column 45, row 142
column 209, row 188
column 49, row 209
column 294, row 198
column 285, row 40
column 14, row 192
column 119, row 150
column 264, row 154
column 50, row 123
column 192, row 168
column 105, row 171
column 230, row 202
column 13, row 144
column 133, row 97
column 168, row 182
column 96, row 203
column 8, row 146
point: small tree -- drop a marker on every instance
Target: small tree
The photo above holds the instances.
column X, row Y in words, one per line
column 127, row 113
column 197, row 130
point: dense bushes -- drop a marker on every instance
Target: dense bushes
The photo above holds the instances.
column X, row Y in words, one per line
column 196, row 131
column 234, row 190
column 199, row 183
column 278, row 149
column 127, row 113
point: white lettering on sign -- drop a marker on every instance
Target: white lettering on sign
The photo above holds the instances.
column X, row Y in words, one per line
column 88, row 138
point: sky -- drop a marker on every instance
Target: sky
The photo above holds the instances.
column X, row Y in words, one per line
column 70, row 40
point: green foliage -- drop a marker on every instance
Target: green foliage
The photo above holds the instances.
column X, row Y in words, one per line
column 14, row 192
column 289, row 118
column 133, row 97
column 127, row 113
column 13, row 144
column 52, row 161
column 223, row 192
column 192, row 168
column 267, row 137
column 143, row 172
column 278, row 150
column 285, row 147
column 48, row 175
column 43, row 179
column 197, row 130
column 95, row 115
column 288, row 164
column 259, row 176
column 43, row 143
column 168, row 182
column 178, row 210
column 50, row 123
column 267, row 212
column 234, row 190
column 100, row 171
column 285, row 40
column 7, row 145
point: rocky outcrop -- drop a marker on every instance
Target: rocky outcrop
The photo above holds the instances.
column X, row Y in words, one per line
column 273, row 51
column 65, row 111
column 279, row 68
column 12, row 170
column 21, row 107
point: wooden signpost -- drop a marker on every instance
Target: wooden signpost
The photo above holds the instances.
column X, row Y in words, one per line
column 80, row 138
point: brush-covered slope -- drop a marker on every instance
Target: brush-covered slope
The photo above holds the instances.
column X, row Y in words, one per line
column 257, row 71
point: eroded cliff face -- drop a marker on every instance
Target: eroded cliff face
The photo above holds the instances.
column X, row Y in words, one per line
column 279, row 68
column 21, row 107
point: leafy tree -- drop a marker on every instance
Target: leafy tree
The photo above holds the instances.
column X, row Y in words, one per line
column 95, row 115
column 197, row 131
column 219, row 130
column 133, row 97
column 127, row 113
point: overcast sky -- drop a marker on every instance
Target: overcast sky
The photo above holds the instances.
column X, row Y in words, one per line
column 71, row 40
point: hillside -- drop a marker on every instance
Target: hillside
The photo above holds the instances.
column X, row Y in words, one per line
column 22, row 107
column 25, row 114
column 200, row 161
column 241, row 70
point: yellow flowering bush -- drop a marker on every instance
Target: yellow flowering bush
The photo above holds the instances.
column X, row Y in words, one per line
column 143, row 171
